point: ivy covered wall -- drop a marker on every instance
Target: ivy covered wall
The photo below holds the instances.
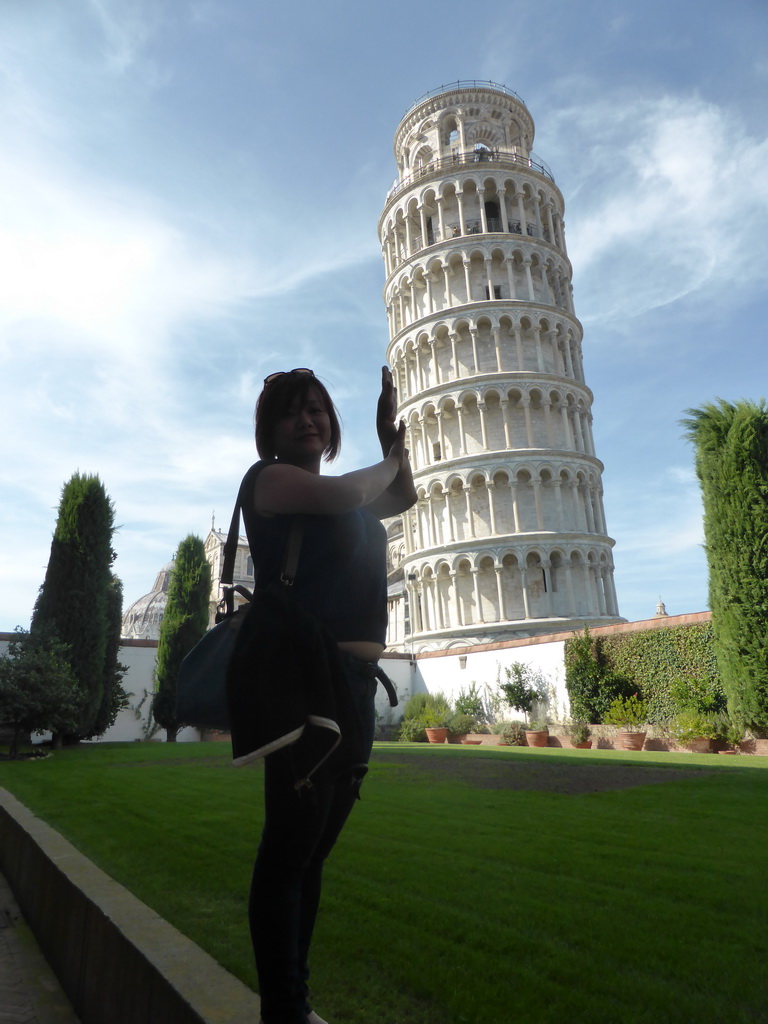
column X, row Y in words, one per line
column 647, row 662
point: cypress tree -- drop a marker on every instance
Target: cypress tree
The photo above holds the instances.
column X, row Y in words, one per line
column 184, row 623
column 73, row 600
column 731, row 445
column 114, row 698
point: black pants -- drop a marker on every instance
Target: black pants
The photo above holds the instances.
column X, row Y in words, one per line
column 300, row 830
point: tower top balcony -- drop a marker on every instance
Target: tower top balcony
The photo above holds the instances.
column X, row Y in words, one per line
column 493, row 158
column 461, row 123
column 461, row 86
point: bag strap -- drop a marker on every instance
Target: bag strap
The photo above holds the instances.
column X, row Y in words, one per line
column 292, row 547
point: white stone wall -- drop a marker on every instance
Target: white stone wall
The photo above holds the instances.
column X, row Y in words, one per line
column 451, row 673
column 442, row 673
column 448, row 671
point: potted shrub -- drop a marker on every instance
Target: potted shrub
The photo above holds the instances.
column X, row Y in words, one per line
column 537, row 733
column 435, row 719
column 459, row 725
column 628, row 714
column 512, row 734
column 423, row 712
column 411, row 730
column 579, row 734
column 732, row 735
column 695, row 730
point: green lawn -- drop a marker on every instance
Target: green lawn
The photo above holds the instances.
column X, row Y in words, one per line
column 447, row 902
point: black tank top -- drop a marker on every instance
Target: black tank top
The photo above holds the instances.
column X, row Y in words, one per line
column 342, row 572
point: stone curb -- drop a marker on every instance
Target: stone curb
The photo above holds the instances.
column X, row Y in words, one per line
column 116, row 959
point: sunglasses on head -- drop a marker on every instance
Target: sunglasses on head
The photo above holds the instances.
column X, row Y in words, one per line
column 282, row 373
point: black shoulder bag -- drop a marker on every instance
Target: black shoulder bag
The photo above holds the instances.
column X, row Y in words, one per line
column 201, row 690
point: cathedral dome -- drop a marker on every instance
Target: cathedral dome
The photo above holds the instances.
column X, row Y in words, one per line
column 142, row 619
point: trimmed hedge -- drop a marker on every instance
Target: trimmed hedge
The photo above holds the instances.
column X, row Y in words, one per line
column 648, row 663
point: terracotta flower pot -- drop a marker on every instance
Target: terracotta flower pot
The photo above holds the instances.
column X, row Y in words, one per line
column 630, row 740
column 437, row 735
column 700, row 745
column 472, row 743
column 537, row 738
column 584, row 745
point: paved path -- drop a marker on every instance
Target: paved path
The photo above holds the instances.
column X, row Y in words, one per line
column 29, row 990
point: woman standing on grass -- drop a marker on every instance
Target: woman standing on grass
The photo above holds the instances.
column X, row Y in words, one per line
column 341, row 581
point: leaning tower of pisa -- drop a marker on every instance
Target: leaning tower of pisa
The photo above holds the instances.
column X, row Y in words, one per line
column 508, row 537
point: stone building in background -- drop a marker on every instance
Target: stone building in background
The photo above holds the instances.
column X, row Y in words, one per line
column 508, row 538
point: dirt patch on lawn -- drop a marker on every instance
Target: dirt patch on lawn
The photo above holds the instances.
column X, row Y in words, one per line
column 547, row 776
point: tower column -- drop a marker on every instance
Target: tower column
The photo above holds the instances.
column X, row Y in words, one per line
column 435, row 359
column 440, row 220
column 462, row 435
column 526, row 404
column 501, row 193
column 470, row 514
column 460, row 204
column 456, row 597
column 491, row 488
column 454, row 357
column 489, row 276
column 515, row 506
column 499, row 592
column 572, row 607
column 524, row 586
column 529, row 280
column 566, row 425
column 521, row 214
column 536, row 484
column 481, row 407
column 539, row 353
column 510, row 262
column 497, row 346
column 467, row 281
column 478, row 599
column 483, row 218
column 428, row 284
column 505, row 419
column 423, row 225
column 475, row 360
column 550, row 225
column 560, row 511
column 519, row 346
column 408, row 239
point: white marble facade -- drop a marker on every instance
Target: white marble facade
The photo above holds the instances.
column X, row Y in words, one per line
column 509, row 536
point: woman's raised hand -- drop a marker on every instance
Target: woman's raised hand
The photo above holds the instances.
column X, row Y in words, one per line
column 386, row 411
column 397, row 448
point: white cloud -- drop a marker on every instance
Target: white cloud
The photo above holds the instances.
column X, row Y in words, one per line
column 126, row 26
column 669, row 198
column 100, row 261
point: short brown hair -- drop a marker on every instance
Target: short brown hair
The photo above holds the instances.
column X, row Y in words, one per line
column 277, row 396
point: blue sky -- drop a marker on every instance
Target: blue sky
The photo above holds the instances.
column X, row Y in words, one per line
column 189, row 194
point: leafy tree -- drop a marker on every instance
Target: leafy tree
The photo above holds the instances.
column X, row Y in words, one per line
column 38, row 688
column 592, row 685
column 731, row 446
column 470, row 702
column 524, row 688
column 184, row 623
column 74, row 598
